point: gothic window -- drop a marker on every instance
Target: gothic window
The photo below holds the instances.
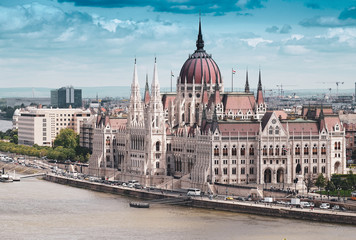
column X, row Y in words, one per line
column 276, row 130
column 157, row 164
column 158, row 146
column 251, row 170
column 270, row 131
column 271, row 150
column 335, row 145
column 225, row 150
column 323, row 149
column 323, row 169
column 284, row 150
column 277, row 150
column 242, row 171
column 243, row 150
column 252, row 150
column 216, row 171
column 297, row 150
column 216, row 150
column 233, row 151
column 339, row 145
column 306, row 169
column 306, row 149
column 234, row 171
column 107, row 141
column 315, row 150
column 225, row 171
column 315, row 170
column 264, row 150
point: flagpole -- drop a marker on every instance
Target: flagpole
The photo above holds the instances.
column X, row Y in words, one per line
column 232, row 79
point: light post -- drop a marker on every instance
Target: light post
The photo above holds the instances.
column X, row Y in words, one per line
column 247, row 178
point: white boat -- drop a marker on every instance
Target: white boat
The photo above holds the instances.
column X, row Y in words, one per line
column 5, row 178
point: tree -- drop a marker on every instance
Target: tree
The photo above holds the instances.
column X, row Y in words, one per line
column 309, row 182
column 320, row 182
column 67, row 138
column 330, row 187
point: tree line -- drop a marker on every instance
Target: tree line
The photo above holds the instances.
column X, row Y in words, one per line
column 65, row 147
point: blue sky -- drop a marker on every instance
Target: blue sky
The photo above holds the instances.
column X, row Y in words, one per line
column 302, row 44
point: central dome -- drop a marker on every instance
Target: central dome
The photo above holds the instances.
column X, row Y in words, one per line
column 200, row 68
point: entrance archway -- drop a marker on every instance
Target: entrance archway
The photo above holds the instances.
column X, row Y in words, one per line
column 268, row 176
column 337, row 167
column 280, row 175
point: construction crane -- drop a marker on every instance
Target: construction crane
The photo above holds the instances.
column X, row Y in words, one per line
column 337, row 86
column 280, row 88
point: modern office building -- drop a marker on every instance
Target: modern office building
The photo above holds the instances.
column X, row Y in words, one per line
column 66, row 97
column 41, row 126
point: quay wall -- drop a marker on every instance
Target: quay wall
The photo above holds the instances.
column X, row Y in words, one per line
column 246, row 207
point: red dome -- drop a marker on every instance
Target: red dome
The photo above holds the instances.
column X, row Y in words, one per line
column 200, row 67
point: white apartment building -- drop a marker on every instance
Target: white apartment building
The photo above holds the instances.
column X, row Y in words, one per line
column 41, row 126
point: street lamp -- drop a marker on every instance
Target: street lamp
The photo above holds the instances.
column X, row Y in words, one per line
column 247, row 178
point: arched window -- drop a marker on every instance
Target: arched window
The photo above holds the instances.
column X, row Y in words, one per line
column 243, row 150
column 297, row 150
column 323, row 169
column 216, row 171
column 335, row 145
column 315, row 150
column 271, row 150
column 284, row 150
column 306, row 169
column 323, row 149
column 276, row 130
column 252, row 150
column 306, row 149
column 339, row 145
column 315, row 170
column 107, row 141
column 225, row 151
column 216, row 150
column 277, row 151
column 270, row 131
column 233, row 151
column 264, row 150
column 158, row 146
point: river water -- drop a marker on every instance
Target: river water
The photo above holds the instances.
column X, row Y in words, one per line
column 5, row 125
column 36, row 209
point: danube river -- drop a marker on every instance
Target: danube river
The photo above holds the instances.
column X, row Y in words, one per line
column 36, row 209
column 5, row 125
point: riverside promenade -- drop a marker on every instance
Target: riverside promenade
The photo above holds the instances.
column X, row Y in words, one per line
column 250, row 207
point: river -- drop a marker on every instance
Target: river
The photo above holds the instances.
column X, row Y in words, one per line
column 5, row 125
column 36, row 209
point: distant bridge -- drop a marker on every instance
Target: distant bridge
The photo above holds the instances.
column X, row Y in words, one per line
column 33, row 175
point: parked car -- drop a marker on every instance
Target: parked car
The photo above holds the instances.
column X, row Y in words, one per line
column 325, row 206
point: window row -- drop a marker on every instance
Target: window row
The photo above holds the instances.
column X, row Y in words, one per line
column 233, row 171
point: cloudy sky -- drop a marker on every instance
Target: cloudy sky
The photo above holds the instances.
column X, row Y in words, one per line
column 300, row 44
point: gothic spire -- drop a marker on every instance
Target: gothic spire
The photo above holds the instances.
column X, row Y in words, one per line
column 200, row 41
column 259, row 81
column 155, row 75
column 135, row 78
column 247, row 85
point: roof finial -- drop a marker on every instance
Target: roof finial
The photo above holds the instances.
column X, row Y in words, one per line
column 259, row 80
column 247, row 85
column 200, row 41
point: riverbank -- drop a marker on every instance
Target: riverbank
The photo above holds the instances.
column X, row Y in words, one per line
column 18, row 168
column 231, row 206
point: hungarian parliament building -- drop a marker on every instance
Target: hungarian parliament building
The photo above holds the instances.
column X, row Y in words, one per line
column 201, row 135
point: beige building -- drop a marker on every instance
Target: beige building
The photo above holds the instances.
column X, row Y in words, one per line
column 41, row 126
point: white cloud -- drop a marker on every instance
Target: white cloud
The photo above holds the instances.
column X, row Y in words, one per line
column 294, row 49
column 253, row 42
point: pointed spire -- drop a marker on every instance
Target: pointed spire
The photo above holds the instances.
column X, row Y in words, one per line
column 247, row 85
column 135, row 78
column 259, row 80
column 321, row 114
column 200, row 41
column 147, row 91
column 155, row 74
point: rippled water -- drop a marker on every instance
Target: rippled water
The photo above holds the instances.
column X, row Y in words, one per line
column 36, row 209
column 5, row 125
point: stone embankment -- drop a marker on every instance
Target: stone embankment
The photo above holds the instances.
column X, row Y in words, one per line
column 19, row 169
column 240, row 207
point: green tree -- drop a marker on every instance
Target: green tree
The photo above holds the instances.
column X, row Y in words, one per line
column 320, row 181
column 67, row 138
column 309, row 182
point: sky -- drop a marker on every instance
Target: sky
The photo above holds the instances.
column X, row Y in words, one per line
column 300, row 44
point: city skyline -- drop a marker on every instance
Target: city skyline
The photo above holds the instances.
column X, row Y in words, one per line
column 299, row 44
